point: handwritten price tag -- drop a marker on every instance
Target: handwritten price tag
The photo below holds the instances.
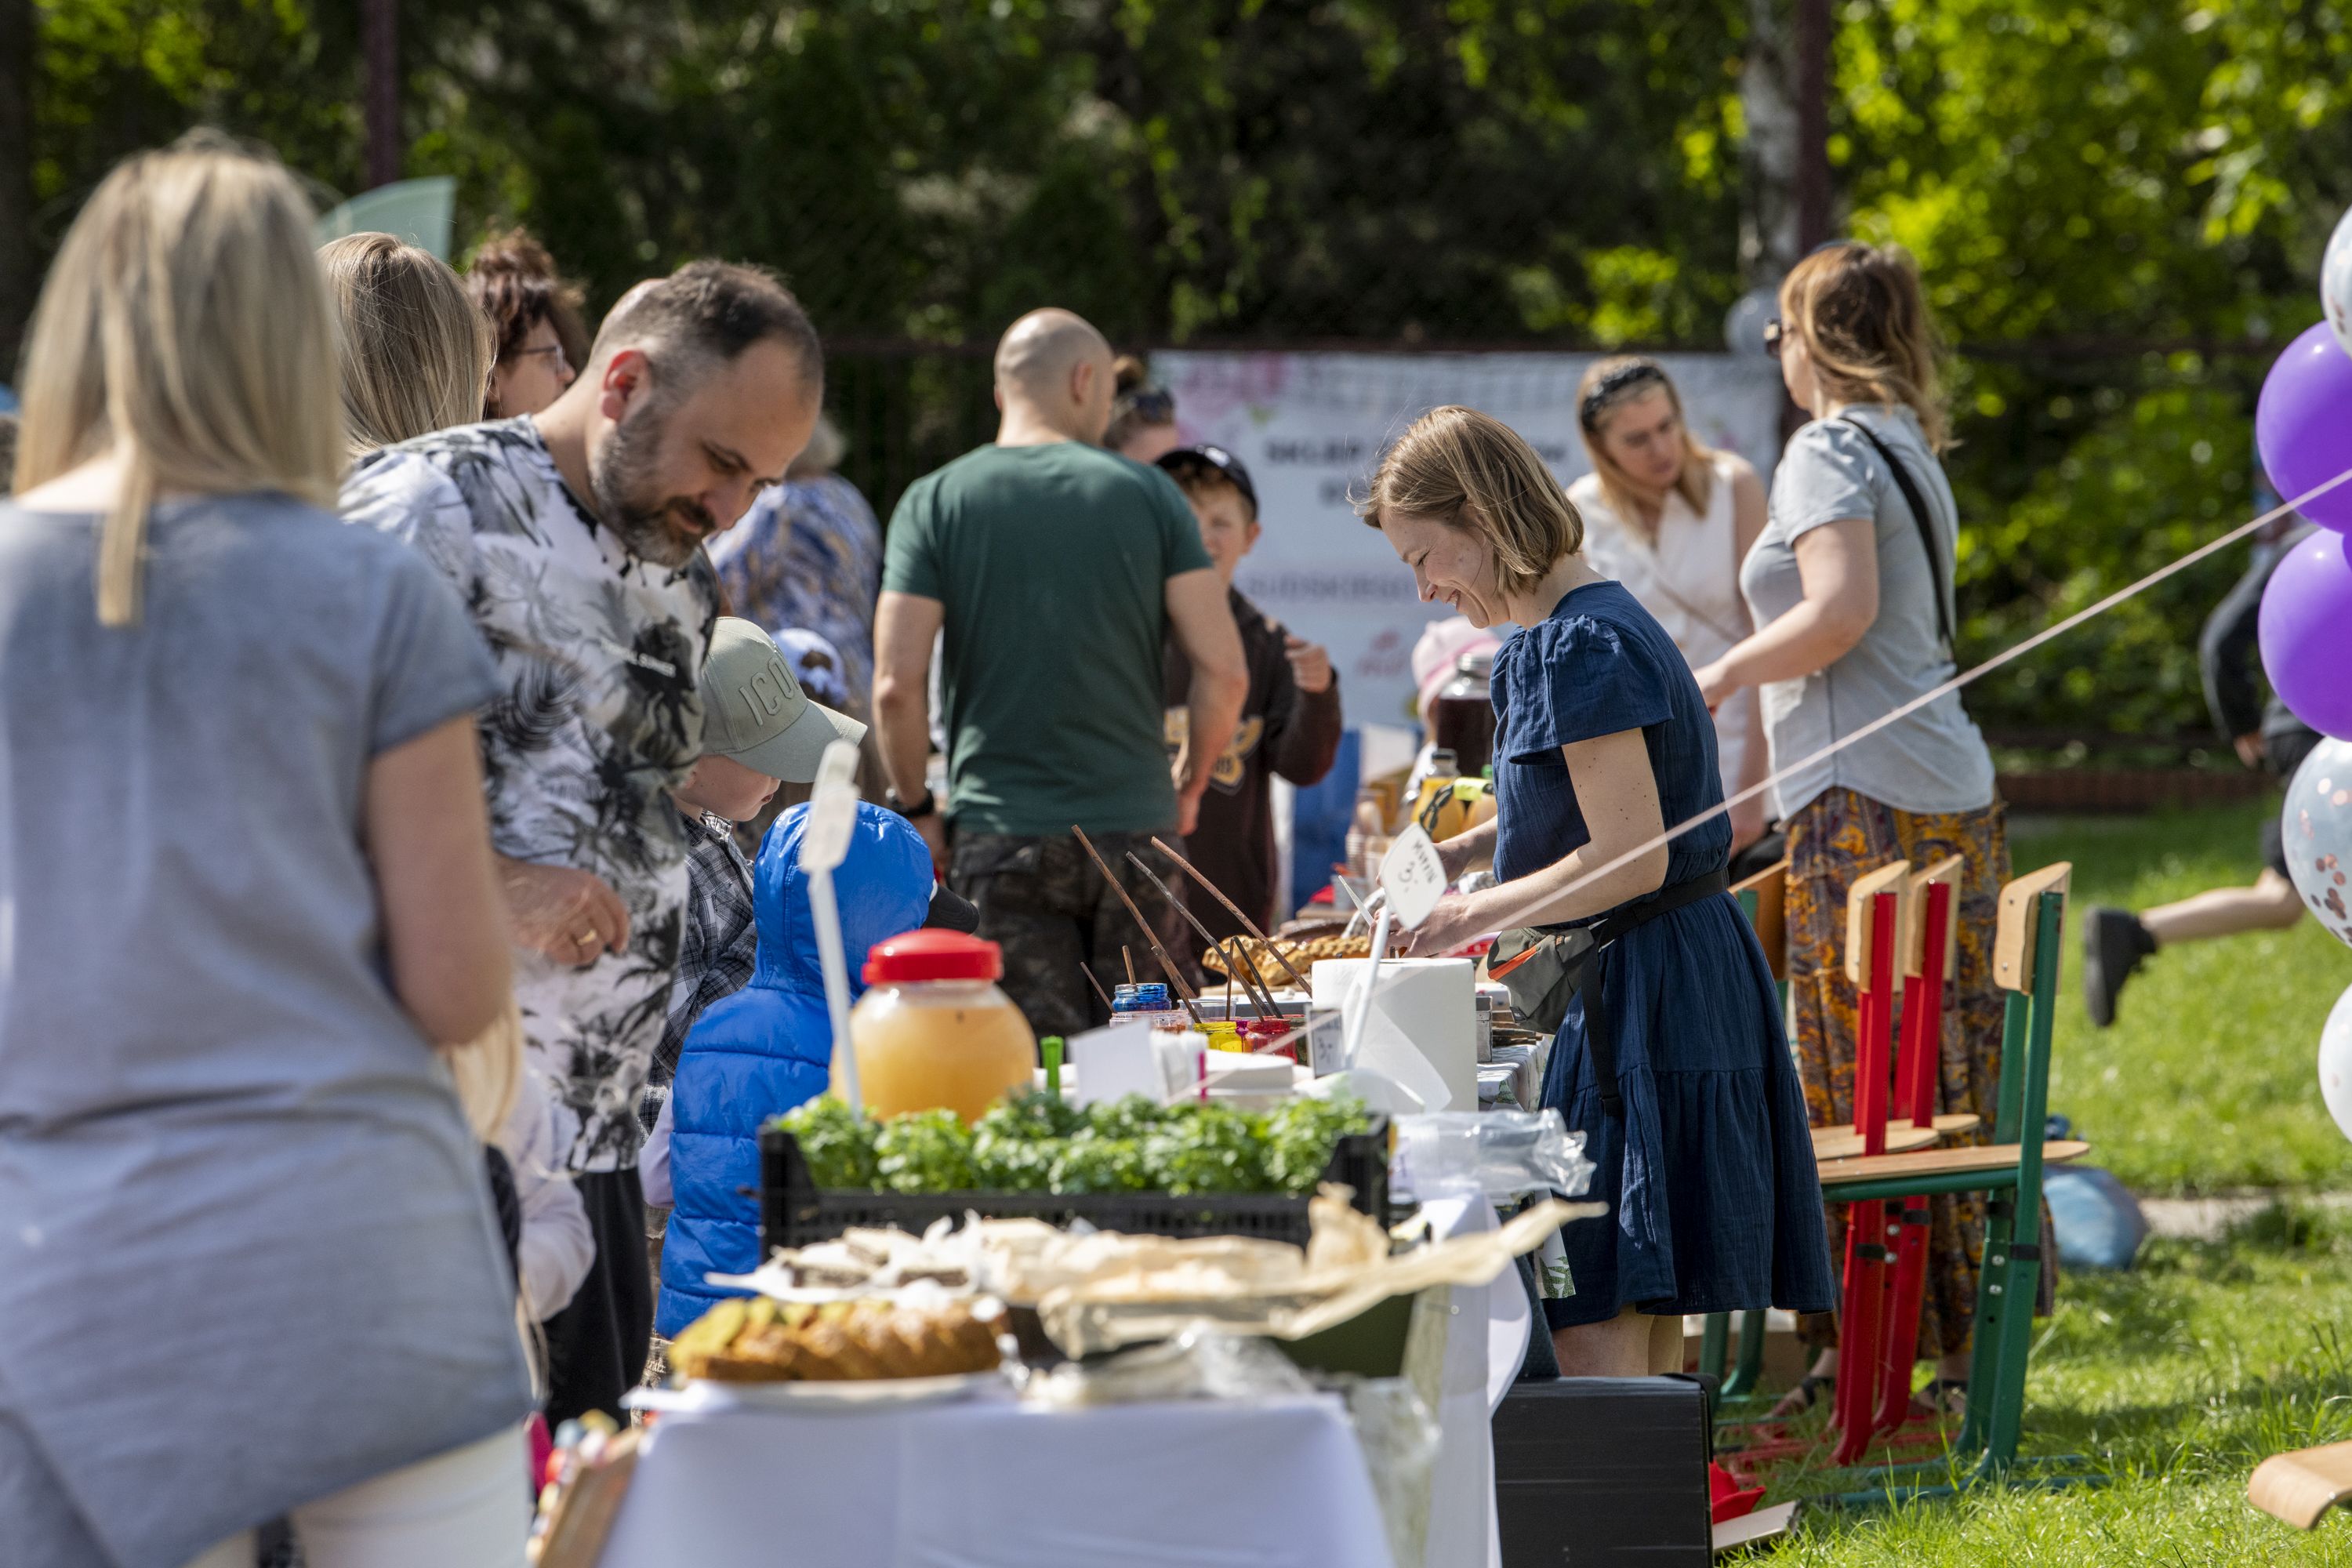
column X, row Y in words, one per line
column 1413, row 877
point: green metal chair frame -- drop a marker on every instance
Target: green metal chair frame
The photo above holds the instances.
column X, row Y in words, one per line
column 1986, row 1447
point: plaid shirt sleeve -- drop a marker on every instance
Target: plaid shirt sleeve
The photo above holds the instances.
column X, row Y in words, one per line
column 718, row 946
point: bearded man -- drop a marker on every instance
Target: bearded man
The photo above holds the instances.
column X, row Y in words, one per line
column 575, row 536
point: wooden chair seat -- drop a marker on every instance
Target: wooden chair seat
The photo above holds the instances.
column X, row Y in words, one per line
column 1847, row 1143
column 1956, row 1121
column 1925, row 1162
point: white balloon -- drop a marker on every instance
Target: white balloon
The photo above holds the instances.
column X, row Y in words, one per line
column 2315, row 832
column 2335, row 283
column 2336, row 1062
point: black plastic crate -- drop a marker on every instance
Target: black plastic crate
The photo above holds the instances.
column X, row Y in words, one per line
column 794, row 1211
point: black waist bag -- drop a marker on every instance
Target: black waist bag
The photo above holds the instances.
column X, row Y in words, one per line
column 1543, row 968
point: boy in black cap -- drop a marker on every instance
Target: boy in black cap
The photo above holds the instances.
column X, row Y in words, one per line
column 1290, row 720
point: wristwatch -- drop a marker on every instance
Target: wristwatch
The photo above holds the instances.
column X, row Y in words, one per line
column 912, row 811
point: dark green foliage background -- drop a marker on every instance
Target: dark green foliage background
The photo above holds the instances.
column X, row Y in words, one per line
column 2073, row 173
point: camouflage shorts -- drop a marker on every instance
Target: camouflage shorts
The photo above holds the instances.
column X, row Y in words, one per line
column 1043, row 901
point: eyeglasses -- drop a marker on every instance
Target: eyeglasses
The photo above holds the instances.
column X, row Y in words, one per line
column 560, row 364
column 1772, row 336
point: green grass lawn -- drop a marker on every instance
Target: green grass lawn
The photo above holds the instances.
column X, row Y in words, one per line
column 2207, row 1080
column 2179, row 1376
column 2178, row 1379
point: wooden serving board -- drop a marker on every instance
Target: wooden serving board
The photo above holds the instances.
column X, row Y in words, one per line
column 1945, row 1161
column 1846, row 1143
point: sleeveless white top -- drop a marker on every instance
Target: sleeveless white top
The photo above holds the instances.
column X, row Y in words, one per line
column 1689, row 579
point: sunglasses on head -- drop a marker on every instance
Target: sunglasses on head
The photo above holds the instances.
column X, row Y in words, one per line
column 1152, row 404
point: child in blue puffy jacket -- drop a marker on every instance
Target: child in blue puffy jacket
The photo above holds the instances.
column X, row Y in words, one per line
column 768, row 1047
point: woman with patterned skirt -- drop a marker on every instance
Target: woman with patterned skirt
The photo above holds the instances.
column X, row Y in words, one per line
column 1850, row 585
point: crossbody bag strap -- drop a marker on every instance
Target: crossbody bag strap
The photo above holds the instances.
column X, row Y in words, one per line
column 1919, row 505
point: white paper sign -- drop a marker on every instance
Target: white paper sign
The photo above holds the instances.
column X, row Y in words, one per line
column 1114, row 1062
column 832, row 809
column 1413, row 877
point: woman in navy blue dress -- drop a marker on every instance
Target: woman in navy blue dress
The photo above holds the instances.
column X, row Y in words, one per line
column 1602, row 741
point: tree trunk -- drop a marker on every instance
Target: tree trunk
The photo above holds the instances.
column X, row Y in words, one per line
column 380, row 44
column 1768, row 238
column 18, row 277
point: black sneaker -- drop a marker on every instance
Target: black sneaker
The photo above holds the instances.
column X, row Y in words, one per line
column 2114, row 942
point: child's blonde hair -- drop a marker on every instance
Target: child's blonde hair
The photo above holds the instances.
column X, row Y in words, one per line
column 1470, row 470
column 184, row 326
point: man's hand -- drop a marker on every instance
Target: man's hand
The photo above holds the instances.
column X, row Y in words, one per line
column 568, row 915
column 2250, row 749
column 934, row 829
column 1188, row 809
column 1310, row 664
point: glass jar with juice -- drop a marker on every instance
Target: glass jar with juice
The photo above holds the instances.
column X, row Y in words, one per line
column 933, row 1030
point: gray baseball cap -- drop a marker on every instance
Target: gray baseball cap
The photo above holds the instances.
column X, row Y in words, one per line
column 755, row 714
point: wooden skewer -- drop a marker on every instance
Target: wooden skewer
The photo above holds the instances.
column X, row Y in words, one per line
column 1129, row 953
column 1266, row 1007
column 1097, row 985
column 1184, row 991
column 1233, row 909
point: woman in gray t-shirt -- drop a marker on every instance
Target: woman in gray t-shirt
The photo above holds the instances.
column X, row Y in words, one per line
column 1851, row 588
column 248, row 1262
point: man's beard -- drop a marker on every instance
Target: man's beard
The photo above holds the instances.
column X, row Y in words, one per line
column 626, row 495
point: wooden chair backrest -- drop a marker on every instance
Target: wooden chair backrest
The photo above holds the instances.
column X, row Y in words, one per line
column 1770, row 887
column 2014, row 936
column 1946, row 872
column 1861, row 910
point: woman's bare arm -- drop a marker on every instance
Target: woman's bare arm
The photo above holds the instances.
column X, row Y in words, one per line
column 445, row 921
column 1619, row 796
column 1838, row 565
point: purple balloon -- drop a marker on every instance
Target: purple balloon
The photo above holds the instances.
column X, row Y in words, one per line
column 2303, row 425
column 2307, row 632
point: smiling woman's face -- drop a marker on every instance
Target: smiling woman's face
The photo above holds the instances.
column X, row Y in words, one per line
column 1450, row 565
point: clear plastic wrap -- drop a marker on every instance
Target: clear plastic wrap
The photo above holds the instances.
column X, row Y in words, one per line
column 1399, row 1435
column 1502, row 1154
column 1198, row 1363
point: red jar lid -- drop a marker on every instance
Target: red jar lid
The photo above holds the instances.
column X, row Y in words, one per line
column 933, row 955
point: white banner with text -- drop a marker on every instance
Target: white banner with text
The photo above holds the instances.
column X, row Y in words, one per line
column 1311, row 426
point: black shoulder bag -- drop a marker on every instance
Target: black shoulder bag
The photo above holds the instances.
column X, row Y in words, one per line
column 1919, row 505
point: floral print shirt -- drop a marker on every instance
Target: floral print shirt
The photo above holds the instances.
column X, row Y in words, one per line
column 808, row 555
column 598, row 653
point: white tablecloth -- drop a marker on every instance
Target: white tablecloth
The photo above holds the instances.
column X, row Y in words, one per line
column 989, row 1484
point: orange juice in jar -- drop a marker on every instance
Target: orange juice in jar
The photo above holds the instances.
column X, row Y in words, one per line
column 933, row 1030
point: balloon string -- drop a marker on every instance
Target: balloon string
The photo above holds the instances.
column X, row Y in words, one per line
column 2007, row 655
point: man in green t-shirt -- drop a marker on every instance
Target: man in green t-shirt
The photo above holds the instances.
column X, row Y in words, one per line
column 1055, row 570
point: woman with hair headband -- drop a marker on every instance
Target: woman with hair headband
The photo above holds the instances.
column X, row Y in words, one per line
column 1672, row 519
column 1851, row 590
column 1671, row 1059
column 248, row 1259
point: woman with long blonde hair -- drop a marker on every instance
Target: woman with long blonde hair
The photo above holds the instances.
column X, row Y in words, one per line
column 1671, row 1059
column 1672, row 519
column 1851, row 586
column 248, row 1262
column 417, row 350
